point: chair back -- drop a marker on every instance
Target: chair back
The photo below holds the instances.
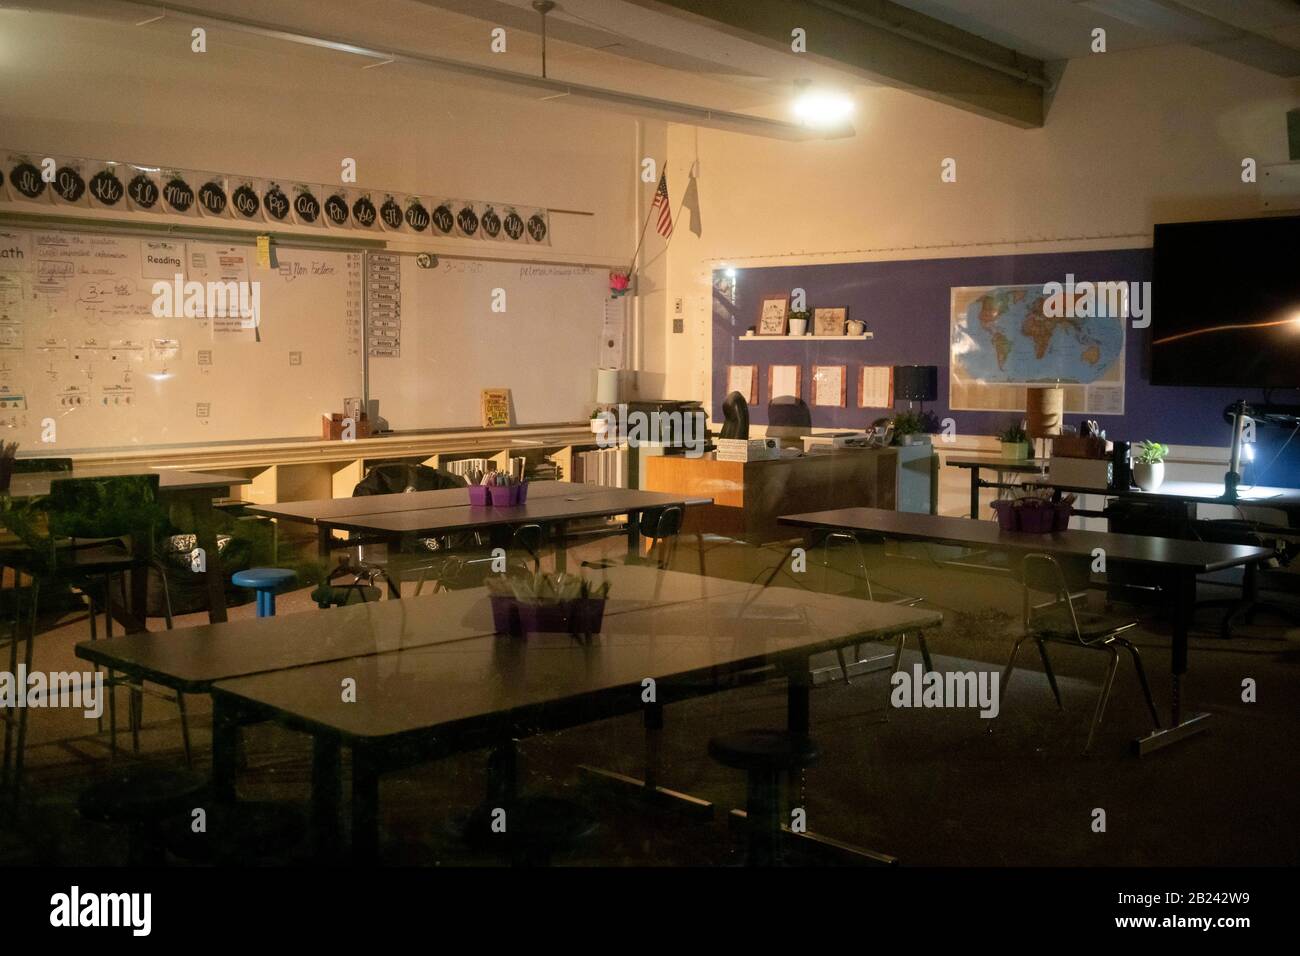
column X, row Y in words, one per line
column 1042, row 573
column 789, row 419
column 118, row 506
column 661, row 526
column 529, row 537
column 660, row 523
column 735, row 416
column 399, row 476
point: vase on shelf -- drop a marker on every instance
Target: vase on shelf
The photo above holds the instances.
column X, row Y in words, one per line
column 798, row 326
column 1149, row 475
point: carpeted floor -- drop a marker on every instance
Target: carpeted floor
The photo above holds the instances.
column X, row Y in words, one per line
column 932, row 787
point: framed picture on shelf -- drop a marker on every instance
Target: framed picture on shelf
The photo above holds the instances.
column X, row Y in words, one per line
column 783, row 381
column 830, row 321
column 743, row 379
column 829, row 385
column 773, row 315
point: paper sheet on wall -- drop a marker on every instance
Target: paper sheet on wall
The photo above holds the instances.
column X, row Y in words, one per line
column 828, row 386
column 162, row 259
column 227, row 264
column 740, row 378
column 875, row 388
column 15, row 251
column 785, row 380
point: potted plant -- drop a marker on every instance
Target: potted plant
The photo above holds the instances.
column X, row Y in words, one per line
column 1149, row 465
column 539, row 602
column 799, row 322
column 1015, row 442
column 909, row 429
column 599, row 422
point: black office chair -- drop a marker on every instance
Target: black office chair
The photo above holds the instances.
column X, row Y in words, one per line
column 395, row 477
column 399, row 477
column 1283, row 542
column 735, row 415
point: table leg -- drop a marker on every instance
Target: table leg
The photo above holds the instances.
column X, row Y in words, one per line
column 558, row 531
column 324, row 540
column 225, row 749
column 214, row 568
column 326, row 794
column 633, row 534
column 975, row 492
column 393, row 546
column 1184, row 599
column 365, row 805
column 649, row 789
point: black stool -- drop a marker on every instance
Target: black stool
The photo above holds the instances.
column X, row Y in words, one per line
column 236, row 833
column 142, row 797
column 763, row 755
column 542, row 825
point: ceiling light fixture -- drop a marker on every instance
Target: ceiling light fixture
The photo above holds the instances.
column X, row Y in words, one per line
column 822, row 108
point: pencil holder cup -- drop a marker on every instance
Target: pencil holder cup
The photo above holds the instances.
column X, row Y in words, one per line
column 523, row 492
column 503, row 496
column 478, row 495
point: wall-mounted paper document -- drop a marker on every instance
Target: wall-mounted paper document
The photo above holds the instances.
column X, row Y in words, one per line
column 783, row 380
column 876, row 386
column 828, row 385
column 743, row 379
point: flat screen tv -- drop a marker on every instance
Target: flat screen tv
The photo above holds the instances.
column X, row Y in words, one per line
column 1225, row 303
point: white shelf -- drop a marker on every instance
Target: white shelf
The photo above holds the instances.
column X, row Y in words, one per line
column 806, row 338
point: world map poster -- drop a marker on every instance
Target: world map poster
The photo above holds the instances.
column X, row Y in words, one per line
column 1005, row 338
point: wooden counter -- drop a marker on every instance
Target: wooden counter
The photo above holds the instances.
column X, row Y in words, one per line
column 749, row 496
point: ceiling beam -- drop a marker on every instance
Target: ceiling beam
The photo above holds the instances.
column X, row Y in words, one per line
column 507, row 81
column 887, row 43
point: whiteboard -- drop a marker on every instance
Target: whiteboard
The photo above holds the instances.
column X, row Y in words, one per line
column 544, row 345
column 85, row 356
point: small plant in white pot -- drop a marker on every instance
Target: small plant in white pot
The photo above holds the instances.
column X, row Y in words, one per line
column 1015, row 442
column 1149, row 465
column 599, row 422
column 799, row 322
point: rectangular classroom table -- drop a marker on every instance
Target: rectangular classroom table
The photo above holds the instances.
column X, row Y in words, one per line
column 192, row 659
column 1000, row 466
column 424, row 703
column 550, row 503
column 1186, row 559
column 315, row 511
column 1193, row 493
column 188, row 492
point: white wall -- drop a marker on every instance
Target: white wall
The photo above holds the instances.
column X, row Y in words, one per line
column 269, row 108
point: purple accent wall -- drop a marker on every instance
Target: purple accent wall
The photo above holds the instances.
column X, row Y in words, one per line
column 906, row 305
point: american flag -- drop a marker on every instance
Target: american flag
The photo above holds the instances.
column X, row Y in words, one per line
column 665, row 225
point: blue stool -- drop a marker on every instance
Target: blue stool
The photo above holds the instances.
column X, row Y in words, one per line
column 265, row 581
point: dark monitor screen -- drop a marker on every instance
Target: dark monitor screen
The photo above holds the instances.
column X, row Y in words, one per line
column 1225, row 303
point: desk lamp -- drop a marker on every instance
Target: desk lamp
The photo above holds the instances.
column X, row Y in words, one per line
column 1045, row 411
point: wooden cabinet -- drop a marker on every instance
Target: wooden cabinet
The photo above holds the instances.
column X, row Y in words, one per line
column 748, row 497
